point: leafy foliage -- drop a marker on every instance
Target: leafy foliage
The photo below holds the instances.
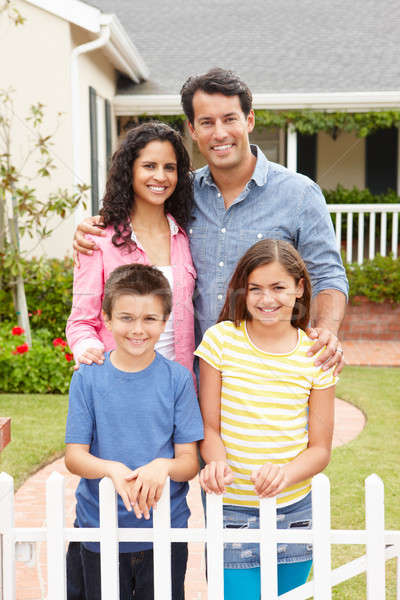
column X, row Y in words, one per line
column 46, row 367
column 377, row 279
column 48, row 287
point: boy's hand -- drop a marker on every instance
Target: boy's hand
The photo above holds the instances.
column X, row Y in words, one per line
column 215, row 476
column 118, row 473
column 269, row 480
column 147, row 484
column 90, row 225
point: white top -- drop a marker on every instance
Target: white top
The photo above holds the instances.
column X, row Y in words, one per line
column 166, row 343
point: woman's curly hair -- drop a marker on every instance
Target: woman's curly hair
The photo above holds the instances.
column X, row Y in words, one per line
column 119, row 201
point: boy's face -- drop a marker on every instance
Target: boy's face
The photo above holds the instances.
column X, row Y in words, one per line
column 136, row 324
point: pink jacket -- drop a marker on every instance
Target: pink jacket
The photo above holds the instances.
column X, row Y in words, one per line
column 85, row 326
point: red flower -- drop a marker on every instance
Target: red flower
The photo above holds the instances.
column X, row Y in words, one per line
column 22, row 349
column 68, row 356
column 59, row 342
column 38, row 312
column 17, row 331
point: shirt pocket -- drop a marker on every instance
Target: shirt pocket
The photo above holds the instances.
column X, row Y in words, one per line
column 200, row 247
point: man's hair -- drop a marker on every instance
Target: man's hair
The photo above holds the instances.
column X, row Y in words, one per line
column 137, row 280
column 215, row 81
column 264, row 253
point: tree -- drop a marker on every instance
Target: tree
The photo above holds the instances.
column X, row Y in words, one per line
column 22, row 211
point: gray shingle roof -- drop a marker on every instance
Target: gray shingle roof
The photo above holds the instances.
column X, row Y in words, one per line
column 275, row 46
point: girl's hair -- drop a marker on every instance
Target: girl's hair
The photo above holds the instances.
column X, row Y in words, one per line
column 119, row 201
column 264, row 253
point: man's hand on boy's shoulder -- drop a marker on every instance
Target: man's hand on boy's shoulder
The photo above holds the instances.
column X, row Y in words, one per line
column 92, row 225
column 147, row 484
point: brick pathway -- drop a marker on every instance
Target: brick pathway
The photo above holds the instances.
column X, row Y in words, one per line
column 30, row 498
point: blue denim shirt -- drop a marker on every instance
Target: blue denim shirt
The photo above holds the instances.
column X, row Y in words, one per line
column 275, row 203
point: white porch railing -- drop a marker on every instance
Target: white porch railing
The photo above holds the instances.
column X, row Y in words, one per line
column 377, row 240
column 380, row 545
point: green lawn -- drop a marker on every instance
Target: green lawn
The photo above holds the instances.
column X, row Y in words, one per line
column 38, row 423
column 37, row 432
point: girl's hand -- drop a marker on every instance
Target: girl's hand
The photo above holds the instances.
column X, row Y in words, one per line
column 215, row 476
column 118, row 473
column 91, row 355
column 269, row 480
column 147, row 484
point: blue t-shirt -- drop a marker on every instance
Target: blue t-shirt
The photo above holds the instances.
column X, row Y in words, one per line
column 132, row 418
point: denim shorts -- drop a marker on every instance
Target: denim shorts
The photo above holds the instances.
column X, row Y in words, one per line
column 247, row 556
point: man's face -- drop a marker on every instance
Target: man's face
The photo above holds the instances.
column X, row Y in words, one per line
column 221, row 129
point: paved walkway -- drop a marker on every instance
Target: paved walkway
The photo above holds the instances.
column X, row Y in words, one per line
column 30, row 498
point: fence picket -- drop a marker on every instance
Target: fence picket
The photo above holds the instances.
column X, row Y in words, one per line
column 55, row 519
column 268, row 543
column 162, row 546
column 375, row 545
column 109, row 540
column 7, row 535
column 321, row 517
column 215, row 547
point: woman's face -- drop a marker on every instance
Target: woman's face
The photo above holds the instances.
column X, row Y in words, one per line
column 155, row 174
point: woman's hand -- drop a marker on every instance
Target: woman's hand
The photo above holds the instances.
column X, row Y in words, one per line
column 92, row 225
column 269, row 480
column 215, row 476
column 91, row 355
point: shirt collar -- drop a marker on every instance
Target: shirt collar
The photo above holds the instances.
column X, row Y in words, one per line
column 259, row 174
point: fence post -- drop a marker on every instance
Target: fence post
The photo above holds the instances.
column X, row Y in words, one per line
column 215, row 547
column 55, row 518
column 7, row 534
column 268, row 543
column 162, row 546
column 321, row 525
column 109, row 559
column 375, row 527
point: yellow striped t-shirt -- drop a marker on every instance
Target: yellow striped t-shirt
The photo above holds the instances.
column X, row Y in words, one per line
column 264, row 400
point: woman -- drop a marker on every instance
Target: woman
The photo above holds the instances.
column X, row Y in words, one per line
column 147, row 203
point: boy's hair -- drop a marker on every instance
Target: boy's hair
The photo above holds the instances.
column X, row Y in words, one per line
column 137, row 280
column 264, row 253
column 215, row 81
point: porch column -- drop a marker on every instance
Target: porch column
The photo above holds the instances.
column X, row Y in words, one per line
column 291, row 144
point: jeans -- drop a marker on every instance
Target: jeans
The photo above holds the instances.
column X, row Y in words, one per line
column 75, row 581
column 135, row 573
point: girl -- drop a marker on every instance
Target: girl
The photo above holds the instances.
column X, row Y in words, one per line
column 257, row 386
column 147, row 203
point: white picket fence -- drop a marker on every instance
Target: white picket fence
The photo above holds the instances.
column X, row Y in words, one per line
column 377, row 240
column 380, row 545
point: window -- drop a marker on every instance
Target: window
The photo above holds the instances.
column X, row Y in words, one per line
column 100, row 145
column 381, row 161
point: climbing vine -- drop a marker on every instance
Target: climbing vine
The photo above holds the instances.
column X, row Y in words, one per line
column 310, row 122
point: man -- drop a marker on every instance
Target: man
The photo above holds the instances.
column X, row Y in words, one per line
column 240, row 198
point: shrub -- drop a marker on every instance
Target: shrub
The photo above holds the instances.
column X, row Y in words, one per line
column 48, row 291
column 377, row 279
column 45, row 368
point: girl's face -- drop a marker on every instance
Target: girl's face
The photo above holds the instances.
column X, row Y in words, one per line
column 272, row 294
column 155, row 174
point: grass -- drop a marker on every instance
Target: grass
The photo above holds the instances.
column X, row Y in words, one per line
column 38, row 424
column 37, row 432
column 376, row 391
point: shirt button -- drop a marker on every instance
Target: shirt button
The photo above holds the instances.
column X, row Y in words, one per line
column 259, row 235
column 190, row 230
column 221, row 264
column 220, row 296
column 223, row 230
column 219, row 195
column 177, row 283
column 177, row 342
column 176, row 303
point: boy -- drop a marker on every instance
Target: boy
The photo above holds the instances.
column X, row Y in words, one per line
column 136, row 420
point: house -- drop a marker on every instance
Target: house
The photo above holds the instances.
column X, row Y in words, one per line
column 314, row 55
